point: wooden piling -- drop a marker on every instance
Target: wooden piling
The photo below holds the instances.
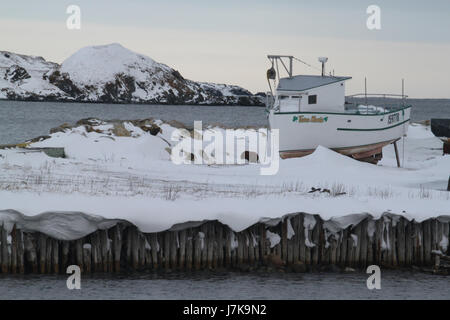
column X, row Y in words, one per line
column 4, row 249
column 20, row 252
column 182, row 250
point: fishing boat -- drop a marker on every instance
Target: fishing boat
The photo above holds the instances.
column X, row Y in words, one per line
column 311, row 111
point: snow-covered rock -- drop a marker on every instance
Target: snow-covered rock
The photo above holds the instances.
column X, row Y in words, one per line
column 109, row 73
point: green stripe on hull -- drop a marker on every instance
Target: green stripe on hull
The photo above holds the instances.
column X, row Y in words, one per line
column 376, row 129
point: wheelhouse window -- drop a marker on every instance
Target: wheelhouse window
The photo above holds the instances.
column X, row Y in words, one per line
column 312, row 99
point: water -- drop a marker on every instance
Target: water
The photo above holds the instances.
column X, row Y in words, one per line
column 25, row 120
column 20, row 121
column 394, row 285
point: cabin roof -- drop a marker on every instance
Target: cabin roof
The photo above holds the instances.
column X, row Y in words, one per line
column 305, row 82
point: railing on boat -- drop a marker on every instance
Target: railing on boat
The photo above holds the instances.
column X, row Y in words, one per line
column 387, row 101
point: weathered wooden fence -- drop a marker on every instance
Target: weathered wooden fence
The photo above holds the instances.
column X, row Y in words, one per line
column 296, row 242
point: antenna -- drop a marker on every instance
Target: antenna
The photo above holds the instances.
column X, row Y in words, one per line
column 323, row 60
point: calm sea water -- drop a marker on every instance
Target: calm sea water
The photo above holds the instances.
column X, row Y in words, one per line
column 227, row 286
column 24, row 120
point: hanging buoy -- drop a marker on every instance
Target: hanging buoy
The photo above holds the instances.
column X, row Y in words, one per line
column 271, row 73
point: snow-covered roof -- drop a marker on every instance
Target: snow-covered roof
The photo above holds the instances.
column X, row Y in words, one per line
column 305, row 82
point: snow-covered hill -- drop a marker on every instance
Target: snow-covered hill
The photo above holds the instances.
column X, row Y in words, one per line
column 109, row 73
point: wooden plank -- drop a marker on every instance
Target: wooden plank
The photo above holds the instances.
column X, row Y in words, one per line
column 116, row 234
column 240, row 249
column 48, row 258
column 182, row 250
column 251, row 247
column 401, row 241
column 13, row 266
column 105, row 248
column 228, row 258
column 316, row 240
column 426, row 225
column 295, row 239
column 154, row 249
column 363, row 243
column 284, row 251
column 378, row 241
column 344, row 245
column 78, row 248
column 262, row 241
column 245, row 244
column 204, row 245
column 189, row 249
column 55, row 256
column 174, row 248
column 351, row 247
column 30, row 252
column 220, row 245
column 198, row 240
column 87, row 258
column 20, row 252
column 142, row 251
column 301, row 238
column 409, row 239
column 209, row 241
column 371, row 234
column 4, row 249
column 42, row 246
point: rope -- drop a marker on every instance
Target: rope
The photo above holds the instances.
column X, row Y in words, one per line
column 311, row 66
column 307, row 64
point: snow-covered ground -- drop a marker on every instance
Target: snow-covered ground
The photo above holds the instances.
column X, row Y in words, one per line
column 130, row 176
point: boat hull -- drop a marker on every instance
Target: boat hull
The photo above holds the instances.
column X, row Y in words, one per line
column 357, row 135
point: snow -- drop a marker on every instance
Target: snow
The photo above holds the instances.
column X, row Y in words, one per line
column 94, row 65
column 109, row 177
column 444, row 243
column 273, row 238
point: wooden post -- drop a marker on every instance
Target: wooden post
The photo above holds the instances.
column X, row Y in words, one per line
column 426, row 225
column 30, row 252
column 409, row 242
column 4, row 249
column 363, row 243
column 209, row 241
column 316, row 240
column 154, row 248
column 65, row 255
column 87, row 248
column 189, row 249
column 55, row 256
column 183, row 240
column 396, row 154
column 174, row 243
column 48, row 257
column 401, row 245
column 20, row 252
column 42, row 252
column 220, row 245
column 229, row 235
column 116, row 245
column 79, row 253
column 13, row 250
column 301, row 238
column 284, row 250
column 197, row 249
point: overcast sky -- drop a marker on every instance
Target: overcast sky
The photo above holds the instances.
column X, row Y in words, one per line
column 227, row 41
